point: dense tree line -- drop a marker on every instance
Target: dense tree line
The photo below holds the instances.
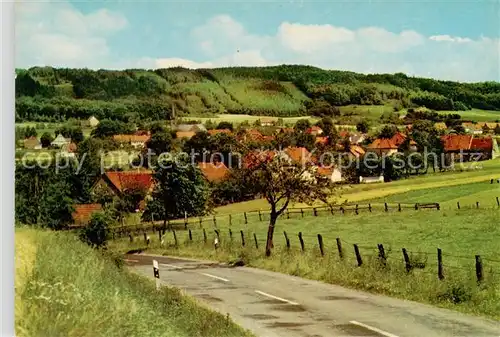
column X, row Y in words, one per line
column 50, row 94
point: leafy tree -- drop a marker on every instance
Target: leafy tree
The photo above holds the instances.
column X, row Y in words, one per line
column 459, row 129
column 485, row 128
column 199, row 144
column 30, row 132
column 180, row 188
column 131, row 198
column 306, row 140
column 225, row 125
column 321, row 108
column 46, row 139
column 302, row 125
column 56, row 206
column 326, row 124
column 108, row 128
column 73, row 132
column 388, row 131
column 160, row 142
column 362, row 126
column 282, row 181
column 96, row 233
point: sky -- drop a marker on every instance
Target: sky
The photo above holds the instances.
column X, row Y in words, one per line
column 449, row 40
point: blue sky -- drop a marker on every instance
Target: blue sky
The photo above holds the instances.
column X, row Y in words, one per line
column 448, row 40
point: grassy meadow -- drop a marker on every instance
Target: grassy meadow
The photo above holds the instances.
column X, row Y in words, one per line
column 460, row 234
column 64, row 288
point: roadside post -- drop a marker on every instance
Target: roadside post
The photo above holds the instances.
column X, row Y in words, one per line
column 156, row 272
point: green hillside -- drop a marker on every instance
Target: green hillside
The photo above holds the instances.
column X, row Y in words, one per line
column 52, row 95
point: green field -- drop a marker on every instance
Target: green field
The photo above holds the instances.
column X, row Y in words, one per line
column 51, row 128
column 64, row 288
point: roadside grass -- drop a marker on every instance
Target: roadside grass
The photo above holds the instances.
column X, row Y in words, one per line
column 460, row 235
column 477, row 115
column 76, row 291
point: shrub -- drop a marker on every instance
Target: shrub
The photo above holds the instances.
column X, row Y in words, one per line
column 96, row 233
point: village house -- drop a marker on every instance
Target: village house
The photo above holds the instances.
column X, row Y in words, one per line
column 382, row 146
column 83, row 213
column 333, row 173
column 267, row 122
column 315, row 130
column 371, row 180
column 247, row 135
column 60, row 141
column 32, row 143
column 184, row 134
column 489, row 127
column 93, row 122
column 68, row 150
column 469, row 148
column 116, row 183
column 136, row 141
column 214, row 172
column 357, row 138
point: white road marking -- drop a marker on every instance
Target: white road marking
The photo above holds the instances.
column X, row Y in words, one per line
column 382, row 332
column 275, row 297
column 170, row 265
column 215, row 277
column 128, row 260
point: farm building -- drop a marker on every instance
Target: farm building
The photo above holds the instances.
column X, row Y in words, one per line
column 32, row 143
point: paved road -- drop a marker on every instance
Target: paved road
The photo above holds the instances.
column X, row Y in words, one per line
column 272, row 304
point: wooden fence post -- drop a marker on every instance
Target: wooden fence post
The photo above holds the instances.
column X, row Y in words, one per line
column 498, row 202
column 440, row 264
column 320, row 243
column 185, row 223
column 131, row 238
column 256, row 242
column 479, row 269
column 356, row 210
column 370, row 207
column 242, row 238
column 230, row 235
column 399, row 207
column 385, row 206
column 260, row 216
column 315, row 211
column 215, row 221
column 218, row 235
column 246, row 219
column 341, row 209
column 416, row 206
column 381, row 254
column 301, row 241
column 201, row 221
column 302, row 211
column 230, row 220
column 145, row 237
column 477, row 204
column 407, row 260
column 438, row 207
column 190, row 235
column 339, row 248
column 159, row 235
column 204, row 236
column 287, row 214
column 458, row 204
column 175, row 237
column 287, row 240
column 358, row 255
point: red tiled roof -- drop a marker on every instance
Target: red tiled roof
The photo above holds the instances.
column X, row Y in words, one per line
column 83, row 212
column 298, row 154
column 314, row 128
column 255, row 158
column 72, row 147
column 216, row 131
column 321, row 140
column 185, row 134
column 398, row 138
column 382, row 143
column 325, row 171
column 214, row 171
column 485, row 144
column 344, row 134
column 357, row 150
column 123, row 180
column 456, row 142
column 131, row 138
column 286, row 130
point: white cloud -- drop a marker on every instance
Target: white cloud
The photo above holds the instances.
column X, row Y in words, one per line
column 55, row 33
column 60, row 35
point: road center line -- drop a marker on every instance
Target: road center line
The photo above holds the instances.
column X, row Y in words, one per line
column 275, row 297
column 215, row 277
column 170, row 265
column 382, row 332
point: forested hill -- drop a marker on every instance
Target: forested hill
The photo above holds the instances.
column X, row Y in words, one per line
column 50, row 94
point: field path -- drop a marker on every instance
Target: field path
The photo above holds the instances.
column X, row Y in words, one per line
column 273, row 304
